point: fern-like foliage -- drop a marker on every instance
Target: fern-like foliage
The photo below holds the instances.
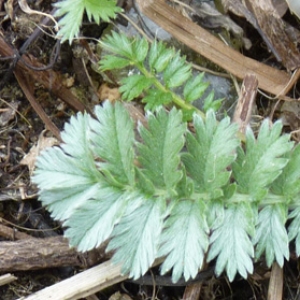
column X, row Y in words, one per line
column 156, row 198
column 72, row 12
column 160, row 71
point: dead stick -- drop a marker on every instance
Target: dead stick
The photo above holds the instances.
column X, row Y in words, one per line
column 48, row 78
column 200, row 40
column 23, row 83
column 10, row 233
column 35, row 254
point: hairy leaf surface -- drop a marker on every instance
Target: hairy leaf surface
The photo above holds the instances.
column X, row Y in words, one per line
column 159, row 154
column 271, row 236
column 210, row 152
column 93, row 223
column 287, row 184
column 112, row 136
column 68, row 176
column 230, row 241
column 185, row 239
column 136, row 237
column 294, row 228
column 263, row 160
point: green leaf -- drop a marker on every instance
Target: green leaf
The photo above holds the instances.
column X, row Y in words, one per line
column 287, row 184
column 176, row 72
column 185, row 187
column 195, row 88
column 73, row 10
column 210, row 103
column 294, row 228
column 230, row 242
column 144, row 183
column 184, row 240
column 112, row 136
column 136, row 237
column 134, row 85
column 109, row 62
column 155, row 98
column 159, row 56
column 210, row 152
column 271, row 236
column 93, row 223
column 140, row 49
column 118, row 44
column 159, row 154
column 262, row 161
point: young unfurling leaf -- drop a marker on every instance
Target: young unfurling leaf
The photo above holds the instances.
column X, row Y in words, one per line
column 159, row 69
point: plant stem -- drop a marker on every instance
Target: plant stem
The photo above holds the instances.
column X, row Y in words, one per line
column 178, row 101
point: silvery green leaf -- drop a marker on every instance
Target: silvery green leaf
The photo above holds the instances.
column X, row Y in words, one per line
column 112, row 137
column 210, row 151
column 230, row 241
column 68, row 176
column 136, row 237
column 287, row 184
column 184, row 240
column 92, row 224
column 294, row 228
column 271, row 236
column 159, row 154
column 262, row 161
